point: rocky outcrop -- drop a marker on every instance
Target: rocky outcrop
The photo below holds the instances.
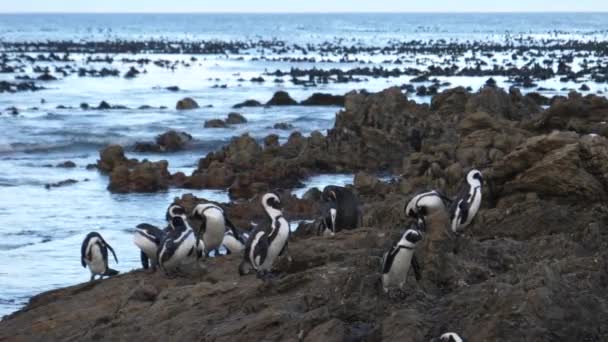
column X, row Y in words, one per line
column 186, row 103
column 321, row 99
column 535, row 256
column 235, row 119
column 216, row 123
column 281, row 98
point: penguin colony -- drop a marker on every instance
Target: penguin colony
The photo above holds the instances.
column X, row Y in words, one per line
column 179, row 243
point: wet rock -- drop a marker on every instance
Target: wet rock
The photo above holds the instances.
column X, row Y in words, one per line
column 84, row 106
column 215, row 123
column 271, row 141
column 584, row 87
column 247, row 103
column 283, row 126
column 281, row 98
column 235, row 118
column 186, row 103
column 173, row 140
column 103, row 105
column 320, row 99
column 46, row 77
column 132, row 73
column 60, row 184
column 143, row 177
column 67, row 164
column 172, row 88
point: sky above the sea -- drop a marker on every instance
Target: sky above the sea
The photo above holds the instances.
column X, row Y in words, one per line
column 190, row 6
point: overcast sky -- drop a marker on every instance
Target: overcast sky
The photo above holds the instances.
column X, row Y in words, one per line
column 301, row 6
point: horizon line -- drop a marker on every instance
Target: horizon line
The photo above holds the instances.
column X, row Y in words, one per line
column 309, row 12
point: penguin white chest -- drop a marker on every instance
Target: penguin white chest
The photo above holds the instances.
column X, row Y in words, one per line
column 96, row 264
column 277, row 245
column 397, row 274
column 475, row 204
column 146, row 245
column 214, row 231
column 185, row 245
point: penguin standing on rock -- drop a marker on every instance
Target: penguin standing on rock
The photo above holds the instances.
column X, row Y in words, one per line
column 396, row 262
column 178, row 246
column 327, row 226
column 465, row 206
column 94, row 254
column 346, row 206
column 214, row 226
column 148, row 238
column 449, row 337
column 263, row 247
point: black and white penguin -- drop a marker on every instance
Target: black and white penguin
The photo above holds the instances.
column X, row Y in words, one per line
column 214, row 227
column 174, row 210
column 449, row 337
column 179, row 246
column 148, row 238
column 426, row 203
column 346, row 204
column 396, row 262
column 465, row 206
column 327, row 226
column 264, row 246
column 94, row 254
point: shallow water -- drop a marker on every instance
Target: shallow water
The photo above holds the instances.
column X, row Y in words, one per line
column 41, row 230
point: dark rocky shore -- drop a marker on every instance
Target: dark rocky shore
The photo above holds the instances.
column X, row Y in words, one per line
column 533, row 266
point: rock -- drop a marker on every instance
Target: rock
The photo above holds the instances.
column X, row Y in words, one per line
column 60, row 184
column 271, row 141
column 144, row 177
column 281, row 98
column 247, row 103
column 235, row 118
column 186, row 103
column 584, row 87
column 103, row 105
column 330, row 331
column 172, row 88
column 145, row 147
column 46, row 77
column 110, row 157
column 312, row 194
column 320, row 99
column 84, row 106
column 215, row 123
column 132, row 73
column 283, row 125
column 172, row 141
column 67, row 164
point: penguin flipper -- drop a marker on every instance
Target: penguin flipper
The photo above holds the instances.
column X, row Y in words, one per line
column 83, row 251
column 201, row 231
column 284, row 248
column 109, row 247
column 237, row 233
column 416, row 267
column 388, row 259
column 144, row 260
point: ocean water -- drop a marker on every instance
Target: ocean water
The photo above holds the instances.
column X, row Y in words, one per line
column 41, row 230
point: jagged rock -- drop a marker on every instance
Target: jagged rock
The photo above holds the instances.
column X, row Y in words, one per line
column 143, row 177
column 173, row 140
column 283, row 125
column 67, row 164
column 186, row 103
column 110, row 157
column 281, row 98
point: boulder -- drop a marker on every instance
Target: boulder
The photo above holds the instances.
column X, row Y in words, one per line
column 173, row 140
column 216, row 123
column 281, row 98
column 186, row 103
column 235, row 118
column 247, row 103
column 320, row 99
column 110, row 157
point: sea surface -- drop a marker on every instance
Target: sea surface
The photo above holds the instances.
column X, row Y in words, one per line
column 41, row 229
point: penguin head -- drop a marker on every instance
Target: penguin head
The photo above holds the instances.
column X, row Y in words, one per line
column 330, row 193
column 174, row 210
column 424, row 204
column 474, row 176
column 271, row 200
column 449, row 337
column 178, row 223
column 410, row 238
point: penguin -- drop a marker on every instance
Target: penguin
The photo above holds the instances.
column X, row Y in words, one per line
column 148, row 238
column 327, row 226
column 467, row 202
column 449, row 337
column 426, row 203
column 263, row 247
column 173, row 211
column 233, row 243
column 396, row 262
column 178, row 245
column 346, row 205
column 214, row 226
column 94, row 254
